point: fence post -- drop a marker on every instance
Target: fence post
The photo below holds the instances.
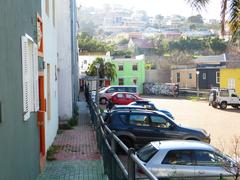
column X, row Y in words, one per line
column 131, row 165
column 113, row 143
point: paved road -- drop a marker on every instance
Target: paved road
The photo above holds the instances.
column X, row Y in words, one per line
column 223, row 125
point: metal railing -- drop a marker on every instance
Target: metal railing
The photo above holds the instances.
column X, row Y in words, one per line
column 107, row 142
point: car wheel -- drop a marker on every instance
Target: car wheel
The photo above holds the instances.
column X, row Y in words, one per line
column 214, row 104
column 223, row 105
column 103, row 100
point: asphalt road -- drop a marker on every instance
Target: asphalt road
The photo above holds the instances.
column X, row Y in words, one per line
column 223, row 125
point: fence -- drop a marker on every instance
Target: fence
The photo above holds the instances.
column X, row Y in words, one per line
column 107, row 142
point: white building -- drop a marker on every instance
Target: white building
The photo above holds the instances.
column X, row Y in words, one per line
column 67, row 57
column 50, row 70
column 85, row 59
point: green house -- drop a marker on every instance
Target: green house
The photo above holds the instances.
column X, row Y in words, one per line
column 130, row 71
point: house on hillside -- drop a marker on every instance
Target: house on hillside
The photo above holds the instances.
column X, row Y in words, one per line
column 206, row 69
column 130, row 71
column 230, row 76
column 141, row 46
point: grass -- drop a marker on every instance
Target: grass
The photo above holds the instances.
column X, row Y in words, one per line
column 54, row 149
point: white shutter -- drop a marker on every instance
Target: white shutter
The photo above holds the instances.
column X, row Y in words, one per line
column 35, row 78
column 31, row 76
column 25, row 77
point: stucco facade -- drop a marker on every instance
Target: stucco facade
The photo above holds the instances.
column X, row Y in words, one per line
column 50, row 71
column 67, row 57
column 230, row 78
column 19, row 152
column 128, row 75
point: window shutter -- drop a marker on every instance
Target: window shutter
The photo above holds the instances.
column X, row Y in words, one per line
column 26, row 79
column 35, row 78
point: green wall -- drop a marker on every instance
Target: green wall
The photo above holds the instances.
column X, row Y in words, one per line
column 19, row 140
column 128, row 74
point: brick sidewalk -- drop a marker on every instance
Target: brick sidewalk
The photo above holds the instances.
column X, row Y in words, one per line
column 78, row 157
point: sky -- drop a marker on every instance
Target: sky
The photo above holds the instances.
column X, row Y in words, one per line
column 163, row 7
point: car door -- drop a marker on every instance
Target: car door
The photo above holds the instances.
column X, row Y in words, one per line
column 130, row 98
column 120, row 98
column 178, row 164
column 139, row 125
column 209, row 166
column 163, row 129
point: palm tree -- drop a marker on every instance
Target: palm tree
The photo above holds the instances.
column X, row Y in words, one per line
column 228, row 6
column 106, row 69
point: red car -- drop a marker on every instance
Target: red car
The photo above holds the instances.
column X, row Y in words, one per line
column 124, row 98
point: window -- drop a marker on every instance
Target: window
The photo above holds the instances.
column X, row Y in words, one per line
column 29, row 76
column 120, row 96
column 224, row 93
column 159, row 122
column 47, row 7
column 204, row 75
column 178, row 77
column 139, row 120
column 207, row 158
column 135, row 67
column 131, row 89
column 217, row 77
column 134, row 81
column 231, row 83
column 84, row 61
column 120, row 67
column 147, row 152
column 120, row 81
column 111, row 90
column 190, row 75
column 130, row 96
column 121, row 89
column 179, row 157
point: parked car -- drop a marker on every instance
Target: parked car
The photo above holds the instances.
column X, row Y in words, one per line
column 181, row 159
column 150, row 106
column 106, row 93
column 137, row 128
column 123, row 98
column 223, row 98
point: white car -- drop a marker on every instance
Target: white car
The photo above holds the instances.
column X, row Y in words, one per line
column 186, row 159
column 223, row 98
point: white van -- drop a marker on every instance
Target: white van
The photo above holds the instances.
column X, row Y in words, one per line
column 106, row 93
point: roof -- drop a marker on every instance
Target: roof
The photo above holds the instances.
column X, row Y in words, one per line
column 181, row 144
column 210, row 59
column 143, row 43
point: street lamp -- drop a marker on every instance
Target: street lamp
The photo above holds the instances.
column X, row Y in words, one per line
column 197, row 82
column 97, row 85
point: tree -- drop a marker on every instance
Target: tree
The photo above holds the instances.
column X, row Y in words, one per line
column 230, row 7
column 196, row 19
column 106, row 69
column 218, row 45
column 87, row 43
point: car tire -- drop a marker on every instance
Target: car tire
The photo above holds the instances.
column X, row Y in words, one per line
column 214, row 104
column 103, row 100
column 223, row 105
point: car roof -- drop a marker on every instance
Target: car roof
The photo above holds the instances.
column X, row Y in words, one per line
column 123, row 93
column 182, row 145
column 129, row 106
column 145, row 111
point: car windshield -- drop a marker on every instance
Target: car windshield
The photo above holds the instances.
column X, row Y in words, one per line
column 146, row 153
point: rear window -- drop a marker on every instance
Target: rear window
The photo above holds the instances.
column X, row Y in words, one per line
column 146, row 153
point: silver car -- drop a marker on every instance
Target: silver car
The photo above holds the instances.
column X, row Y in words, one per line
column 185, row 159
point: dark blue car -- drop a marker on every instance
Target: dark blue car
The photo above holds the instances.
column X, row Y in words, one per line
column 137, row 128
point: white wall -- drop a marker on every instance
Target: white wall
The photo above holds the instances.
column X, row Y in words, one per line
column 50, row 57
column 63, row 21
